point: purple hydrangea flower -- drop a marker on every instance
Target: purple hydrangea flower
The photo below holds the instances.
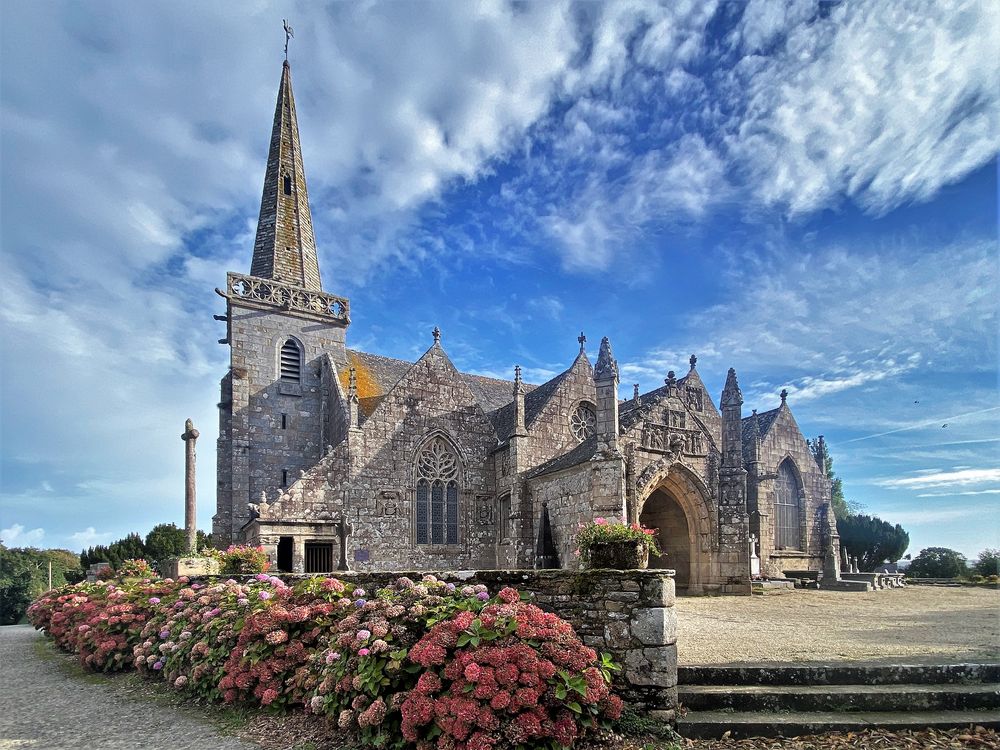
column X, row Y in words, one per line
column 364, row 635
column 154, row 600
column 164, row 634
column 158, row 665
column 359, row 593
column 482, row 596
column 360, row 602
column 265, row 595
column 262, row 577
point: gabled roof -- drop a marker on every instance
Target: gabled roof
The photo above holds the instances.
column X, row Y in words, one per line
column 764, row 421
column 376, row 376
column 629, row 411
column 578, row 455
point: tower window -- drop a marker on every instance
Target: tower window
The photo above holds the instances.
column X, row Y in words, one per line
column 287, row 184
column 284, row 477
column 284, row 421
column 290, row 362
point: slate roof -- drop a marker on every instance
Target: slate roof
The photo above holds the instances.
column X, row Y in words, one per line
column 764, row 421
column 377, row 375
column 534, row 402
column 629, row 411
column 581, row 453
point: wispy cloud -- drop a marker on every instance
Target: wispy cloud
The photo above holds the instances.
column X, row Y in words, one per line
column 964, row 493
column 930, row 423
column 942, row 479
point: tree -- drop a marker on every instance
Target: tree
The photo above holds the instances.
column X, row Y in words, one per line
column 988, row 563
column 165, row 540
column 24, row 576
column 842, row 507
column 872, row 540
column 938, row 562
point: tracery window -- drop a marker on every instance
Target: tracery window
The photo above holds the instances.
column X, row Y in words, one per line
column 787, row 511
column 290, row 361
column 583, row 421
column 437, row 474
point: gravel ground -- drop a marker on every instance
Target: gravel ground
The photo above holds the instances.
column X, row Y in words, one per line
column 921, row 624
column 48, row 707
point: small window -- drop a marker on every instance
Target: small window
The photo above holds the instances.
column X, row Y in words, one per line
column 291, row 362
column 284, row 477
column 284, row 421
column 288, row 184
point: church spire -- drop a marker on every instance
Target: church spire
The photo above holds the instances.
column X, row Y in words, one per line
column 285, row 249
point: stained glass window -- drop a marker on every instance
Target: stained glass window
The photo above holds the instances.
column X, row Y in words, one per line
column 437, row 493
column 787, row 518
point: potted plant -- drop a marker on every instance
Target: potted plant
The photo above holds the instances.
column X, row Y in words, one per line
column 616, row 545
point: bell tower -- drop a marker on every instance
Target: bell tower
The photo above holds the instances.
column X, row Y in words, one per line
column 280, row 327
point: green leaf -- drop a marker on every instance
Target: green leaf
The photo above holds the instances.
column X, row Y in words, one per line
column 574, row 707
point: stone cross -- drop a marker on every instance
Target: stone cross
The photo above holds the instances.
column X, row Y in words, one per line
column 190, row 437
column 288, row 35
column 344, row 530
column 583, row 341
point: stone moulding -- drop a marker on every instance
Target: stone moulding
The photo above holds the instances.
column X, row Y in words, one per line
column 268, row 294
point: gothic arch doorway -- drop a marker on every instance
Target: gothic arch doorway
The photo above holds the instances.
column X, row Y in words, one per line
column 661, row 511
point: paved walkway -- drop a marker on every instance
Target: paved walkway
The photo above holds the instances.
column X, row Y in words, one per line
column 46, row 709
column 916, row 624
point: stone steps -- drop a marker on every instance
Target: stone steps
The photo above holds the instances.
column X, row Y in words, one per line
column 709, row 724
column 838, row 674
column 839, row 697
column 795, row 699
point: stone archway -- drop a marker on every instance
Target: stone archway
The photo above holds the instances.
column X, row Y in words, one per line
column 661, row 511
column 674, row 500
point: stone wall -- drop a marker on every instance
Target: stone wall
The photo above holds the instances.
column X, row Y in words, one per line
column 627, row 613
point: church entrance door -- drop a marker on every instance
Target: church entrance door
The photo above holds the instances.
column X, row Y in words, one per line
column 661, row 511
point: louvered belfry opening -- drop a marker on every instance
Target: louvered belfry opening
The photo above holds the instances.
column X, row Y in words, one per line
column 291, row 362
column 787, row 522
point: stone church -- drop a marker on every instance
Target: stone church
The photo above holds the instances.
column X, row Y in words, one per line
column 433, row 468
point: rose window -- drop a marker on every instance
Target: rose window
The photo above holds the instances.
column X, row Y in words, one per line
column 582, row 422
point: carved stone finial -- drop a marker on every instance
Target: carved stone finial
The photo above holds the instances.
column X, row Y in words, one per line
column 607, row 366
column 784, row 395
column 517, row 374
column 671, row 378
column 635, row 392
column 693, row 361
column 583, row 342
column 436, row 333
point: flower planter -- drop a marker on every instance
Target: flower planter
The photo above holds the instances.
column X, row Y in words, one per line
column 619, row 555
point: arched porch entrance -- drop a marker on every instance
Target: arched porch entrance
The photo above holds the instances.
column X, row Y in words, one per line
column 674, row 501
column 661, row 511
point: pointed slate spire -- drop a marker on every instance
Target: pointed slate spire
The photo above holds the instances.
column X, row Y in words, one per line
column 731, row 394
column 607, row 367
column 285, row 248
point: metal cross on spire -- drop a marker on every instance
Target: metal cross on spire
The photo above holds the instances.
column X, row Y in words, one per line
column 289, row 33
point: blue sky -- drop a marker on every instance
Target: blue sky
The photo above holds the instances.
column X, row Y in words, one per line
column 805, row 191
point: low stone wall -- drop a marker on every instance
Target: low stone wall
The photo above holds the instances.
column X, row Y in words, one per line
column 626, row 613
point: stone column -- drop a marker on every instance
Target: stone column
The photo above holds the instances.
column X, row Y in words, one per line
column 190, row 437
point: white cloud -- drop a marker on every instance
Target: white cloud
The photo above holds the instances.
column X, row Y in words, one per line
column 964, row 493
column 942, row 479
column 881, row 102
column 930, row 515
column 89, row 537
column 17, row 536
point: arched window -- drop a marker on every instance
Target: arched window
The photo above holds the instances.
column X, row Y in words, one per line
column 290, row 363
column 787, row 512
column 437, row 473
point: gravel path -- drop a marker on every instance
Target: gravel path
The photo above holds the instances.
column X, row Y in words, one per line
column 44, row 707
column 921, row 624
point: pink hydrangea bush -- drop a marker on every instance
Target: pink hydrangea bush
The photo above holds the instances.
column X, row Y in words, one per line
column 361, row 679
column 512, row 672
column 416, row 663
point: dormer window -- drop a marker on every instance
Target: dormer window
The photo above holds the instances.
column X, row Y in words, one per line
column 290, row 364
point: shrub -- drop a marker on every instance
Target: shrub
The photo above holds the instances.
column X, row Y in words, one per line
column 603, row 531
column 424, row 662
column 135, row 569
column 240, row 559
